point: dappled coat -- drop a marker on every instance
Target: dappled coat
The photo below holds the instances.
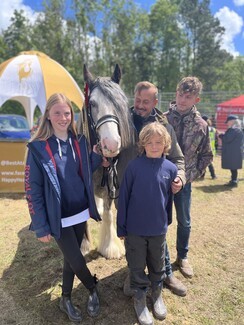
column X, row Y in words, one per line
column 232, row 148
column 193, row 137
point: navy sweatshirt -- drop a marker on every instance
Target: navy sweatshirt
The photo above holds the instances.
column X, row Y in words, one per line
column 145, row 197
column 73, row 194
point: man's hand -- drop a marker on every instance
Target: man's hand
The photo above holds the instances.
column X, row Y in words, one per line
column 176, row 185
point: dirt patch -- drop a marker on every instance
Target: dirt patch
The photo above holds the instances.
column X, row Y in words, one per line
column 31, row 271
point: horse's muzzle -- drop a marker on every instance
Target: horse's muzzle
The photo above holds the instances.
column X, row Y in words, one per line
column 109, row 153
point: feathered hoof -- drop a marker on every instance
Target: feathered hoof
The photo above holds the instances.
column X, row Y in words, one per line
column 112, row 251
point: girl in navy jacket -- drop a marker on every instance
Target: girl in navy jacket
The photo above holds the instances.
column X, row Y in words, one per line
column 59, row 192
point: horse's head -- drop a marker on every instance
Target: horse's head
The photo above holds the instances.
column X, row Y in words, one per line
column 109, row 112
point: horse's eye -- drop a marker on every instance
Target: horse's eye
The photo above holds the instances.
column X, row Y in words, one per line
column 92, row 104
column 94, row 107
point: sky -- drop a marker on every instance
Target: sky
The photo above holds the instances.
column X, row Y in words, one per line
column 229, row 12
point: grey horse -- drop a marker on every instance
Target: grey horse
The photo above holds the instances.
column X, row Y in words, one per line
column 107, row 120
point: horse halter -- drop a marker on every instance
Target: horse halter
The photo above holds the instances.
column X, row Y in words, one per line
column 110, row 175
column 106, row 119
column 103, row 120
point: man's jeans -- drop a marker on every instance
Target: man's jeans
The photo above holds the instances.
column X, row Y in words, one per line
column 182, row 201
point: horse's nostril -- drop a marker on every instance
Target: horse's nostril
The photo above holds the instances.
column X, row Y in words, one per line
column 111, row 145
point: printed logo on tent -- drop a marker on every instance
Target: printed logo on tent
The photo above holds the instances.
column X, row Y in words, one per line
column 25, row 69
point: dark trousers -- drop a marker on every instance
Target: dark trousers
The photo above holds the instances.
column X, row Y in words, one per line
column 74, row 262
column 142, row 252
column 211, row 170
column 233, row 174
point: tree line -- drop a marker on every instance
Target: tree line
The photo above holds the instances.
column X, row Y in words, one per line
column 176, row 38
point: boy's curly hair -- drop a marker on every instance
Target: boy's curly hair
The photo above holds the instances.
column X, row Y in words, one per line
column 151, row 129
column 190, row 84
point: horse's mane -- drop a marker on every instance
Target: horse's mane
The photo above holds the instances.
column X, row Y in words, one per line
column 113, row 92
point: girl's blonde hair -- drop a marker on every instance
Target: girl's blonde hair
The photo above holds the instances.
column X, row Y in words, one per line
column 149, row 131
column 45, row 129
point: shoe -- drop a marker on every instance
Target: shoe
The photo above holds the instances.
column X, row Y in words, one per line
column 214, row 177
column 126, row 288
column 232, row 184
column 93, row 303
column 175, row 285
column 184, row 267
column 67, row 307
column 159, row 308
column 141, row 309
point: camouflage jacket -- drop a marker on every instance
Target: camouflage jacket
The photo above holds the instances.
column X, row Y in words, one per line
column 175, row 154
column 193, row 137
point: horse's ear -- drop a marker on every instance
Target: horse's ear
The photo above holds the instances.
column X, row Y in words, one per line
column 88, row 77
column 117, row 74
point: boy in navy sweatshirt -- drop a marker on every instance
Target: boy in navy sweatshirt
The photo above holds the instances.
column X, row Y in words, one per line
column 144, row 213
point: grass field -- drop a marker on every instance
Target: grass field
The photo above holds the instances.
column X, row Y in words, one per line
column 31, row 271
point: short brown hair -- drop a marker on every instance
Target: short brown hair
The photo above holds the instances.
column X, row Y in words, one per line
column 142, row 85
column 151, row 129
column 190, row 84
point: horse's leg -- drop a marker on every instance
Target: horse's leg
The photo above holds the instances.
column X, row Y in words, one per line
column 110, row 246
column 99, row 203
column 86, row 241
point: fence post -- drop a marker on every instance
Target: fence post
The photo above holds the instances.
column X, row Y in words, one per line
column 159, row 101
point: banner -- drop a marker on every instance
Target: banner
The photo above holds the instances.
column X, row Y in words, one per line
column 12, row 155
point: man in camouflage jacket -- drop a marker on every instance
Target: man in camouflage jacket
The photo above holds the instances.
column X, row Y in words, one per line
column 193, row 137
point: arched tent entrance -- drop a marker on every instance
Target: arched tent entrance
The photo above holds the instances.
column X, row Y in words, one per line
column 31, row 78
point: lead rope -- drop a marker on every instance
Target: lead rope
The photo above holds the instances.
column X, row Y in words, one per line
column 110, row 178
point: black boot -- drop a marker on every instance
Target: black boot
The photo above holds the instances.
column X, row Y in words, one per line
column 93, row 304
column 232, row 183
column 67, row 307
column 159, row 308
column 141, row 309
